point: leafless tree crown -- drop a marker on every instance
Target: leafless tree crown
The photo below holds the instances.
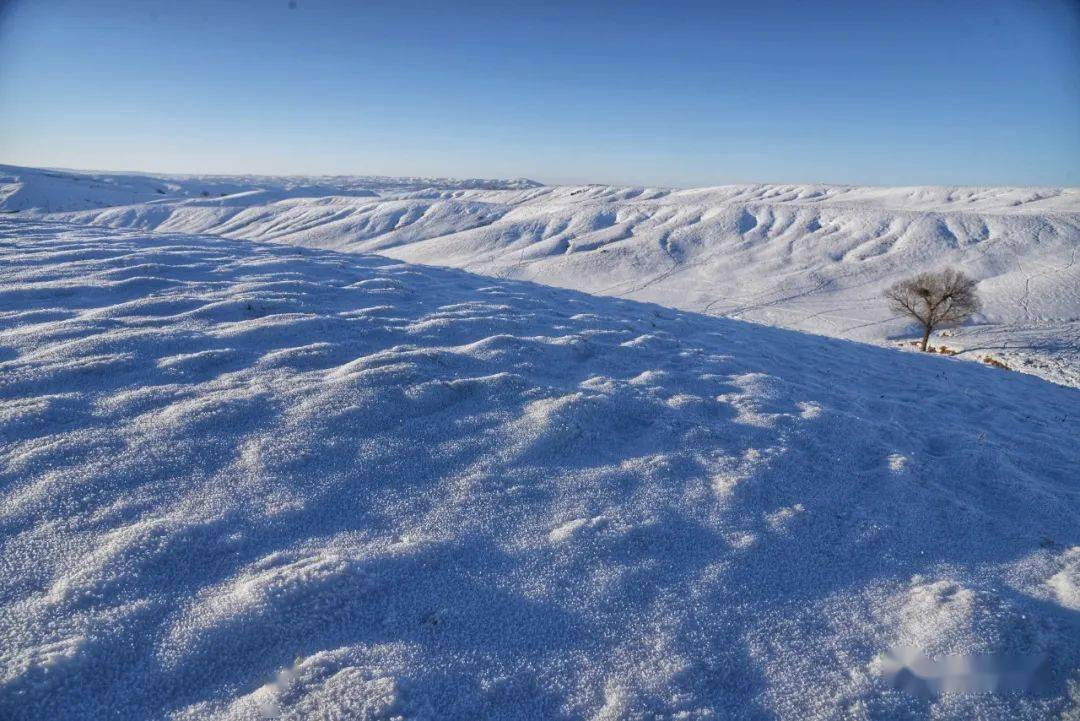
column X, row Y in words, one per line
column 935, row 299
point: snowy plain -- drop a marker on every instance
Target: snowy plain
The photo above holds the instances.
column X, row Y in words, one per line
column 261, row 458
column 246, row 480
column 807, row 257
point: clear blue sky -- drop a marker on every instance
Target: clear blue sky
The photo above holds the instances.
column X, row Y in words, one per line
column 673, row 93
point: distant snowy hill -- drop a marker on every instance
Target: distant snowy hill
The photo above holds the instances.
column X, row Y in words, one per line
column 807, row 257
column 45, row 190
column 245, row 481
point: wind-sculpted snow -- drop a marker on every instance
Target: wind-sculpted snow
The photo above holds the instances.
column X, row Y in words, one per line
column 39, row 189
column 808, row 257
column 243, row 480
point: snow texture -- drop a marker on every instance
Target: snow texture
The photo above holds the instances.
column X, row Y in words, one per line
column 244, row 480
column 807, row 257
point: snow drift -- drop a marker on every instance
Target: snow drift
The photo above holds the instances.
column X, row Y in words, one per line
column 244, row 480
column 806, row 257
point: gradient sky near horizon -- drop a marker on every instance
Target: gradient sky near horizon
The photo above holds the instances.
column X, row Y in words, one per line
column 890, row 92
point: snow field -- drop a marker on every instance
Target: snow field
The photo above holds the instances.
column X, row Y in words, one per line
column 806, row 257
column 242, row 479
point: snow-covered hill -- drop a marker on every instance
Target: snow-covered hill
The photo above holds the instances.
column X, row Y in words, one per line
column 47, row 190
column 243, row 480
column 807, row 257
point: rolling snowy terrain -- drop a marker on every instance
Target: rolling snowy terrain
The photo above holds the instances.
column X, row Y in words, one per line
column 248, row 480
column 807, row 257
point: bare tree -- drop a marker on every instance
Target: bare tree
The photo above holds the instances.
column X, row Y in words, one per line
column 935, row 299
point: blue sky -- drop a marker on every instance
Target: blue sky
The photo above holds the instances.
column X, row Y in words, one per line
column 666, row 93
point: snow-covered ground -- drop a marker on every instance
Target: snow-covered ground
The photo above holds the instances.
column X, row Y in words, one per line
column 248, row 480
column 807, row 257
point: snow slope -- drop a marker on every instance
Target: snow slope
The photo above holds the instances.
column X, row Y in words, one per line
column 246, row 480
column 806, row 257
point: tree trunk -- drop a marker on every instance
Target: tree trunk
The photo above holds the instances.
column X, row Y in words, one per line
column 925, row 337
